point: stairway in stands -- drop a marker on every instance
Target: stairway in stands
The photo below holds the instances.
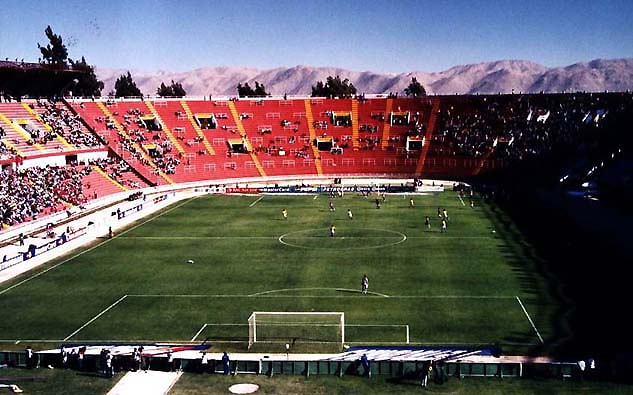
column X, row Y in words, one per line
column 60, row 139
column 387, row 125
column 100, row 183
column 197, row 128
column 310, row 120
column 138, row 148
column 355, row 142
column 165, row 128
column 431, row 126
column 240, row 127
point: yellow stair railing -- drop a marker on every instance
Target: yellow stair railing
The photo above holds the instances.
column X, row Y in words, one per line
column 310, row 120
column 240, row 127
column 355, row 142
column 48, row 127
column 386, row 130
column 166, row 129
column 20, row 131
column 197, row 128
column 107, row 177
column 140, row 149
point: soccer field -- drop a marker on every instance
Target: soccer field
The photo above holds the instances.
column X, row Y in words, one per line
column 469, row 285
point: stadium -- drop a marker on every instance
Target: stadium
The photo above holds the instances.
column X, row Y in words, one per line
column 339, row 242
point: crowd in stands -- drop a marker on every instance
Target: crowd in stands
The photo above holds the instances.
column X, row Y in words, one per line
column 136, row 133
column 6, row 152
column 44, row 190
column 37, row 190
column 517, row 127
column 116, row 169
column 66, row 124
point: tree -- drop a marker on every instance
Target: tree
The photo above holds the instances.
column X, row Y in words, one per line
column 125, row 86
column 179, row 91
column 173, row 90
column 164, row 91
column 334, row 87
column 260, row 90
column 55, row 52
column 246, row 90
column 87, row 83
column 415, row 89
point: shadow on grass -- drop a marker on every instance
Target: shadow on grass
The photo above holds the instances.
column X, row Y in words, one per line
column 535, row 281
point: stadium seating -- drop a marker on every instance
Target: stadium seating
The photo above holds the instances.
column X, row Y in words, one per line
column 169, row 141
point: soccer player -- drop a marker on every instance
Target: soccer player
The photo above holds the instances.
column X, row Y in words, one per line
column 445, row 214
column 349, row 214
column 332, row 208
column 443, row 230
column 472, row 203
column 439, row 212
column 427, row 222
column 364, row 284
column 332, row 230
column 284, row 213
column 411, row 203
column 377, row 203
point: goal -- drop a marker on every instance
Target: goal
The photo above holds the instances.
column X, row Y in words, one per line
column 296, row 326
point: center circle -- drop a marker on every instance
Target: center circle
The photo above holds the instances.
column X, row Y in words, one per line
column 345, row 239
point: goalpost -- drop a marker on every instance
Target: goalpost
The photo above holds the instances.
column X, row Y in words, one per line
column 284, row 326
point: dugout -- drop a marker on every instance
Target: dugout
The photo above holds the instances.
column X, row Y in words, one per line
column 341, row 118
column 151, row 123
column 206, row 121
column 399, row 118
column 414, row 143
column 237, row 146
column 324, row 143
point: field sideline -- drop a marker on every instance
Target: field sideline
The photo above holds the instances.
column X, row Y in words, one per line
column 468, row 286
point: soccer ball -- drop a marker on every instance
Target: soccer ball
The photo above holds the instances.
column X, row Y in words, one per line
column 190, row 261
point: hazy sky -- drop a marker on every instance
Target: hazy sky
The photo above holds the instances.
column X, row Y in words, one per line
column 385, row 36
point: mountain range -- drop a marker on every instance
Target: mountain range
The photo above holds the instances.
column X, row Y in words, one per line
column 491, row 77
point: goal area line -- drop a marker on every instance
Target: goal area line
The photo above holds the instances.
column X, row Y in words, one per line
column 230, row 324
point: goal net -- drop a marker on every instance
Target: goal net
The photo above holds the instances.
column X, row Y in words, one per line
column 291, row 327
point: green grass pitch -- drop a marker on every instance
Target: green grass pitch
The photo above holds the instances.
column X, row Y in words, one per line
column 464, row 286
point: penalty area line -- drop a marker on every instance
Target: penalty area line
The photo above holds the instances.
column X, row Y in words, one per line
column 255, row 202
column 96, row 317
column 530, row 319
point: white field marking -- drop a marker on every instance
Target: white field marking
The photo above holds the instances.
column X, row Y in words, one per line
column 316, row 289
column 530, row 319
column 402, row 235
column 96, row 317
column 255, row 202
column 461, row 200
column 181, row 341
column 266, row 294
column 198, row 333
column 198, row 237
column 91, row 248
column 302, row 237
column 269, row 323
